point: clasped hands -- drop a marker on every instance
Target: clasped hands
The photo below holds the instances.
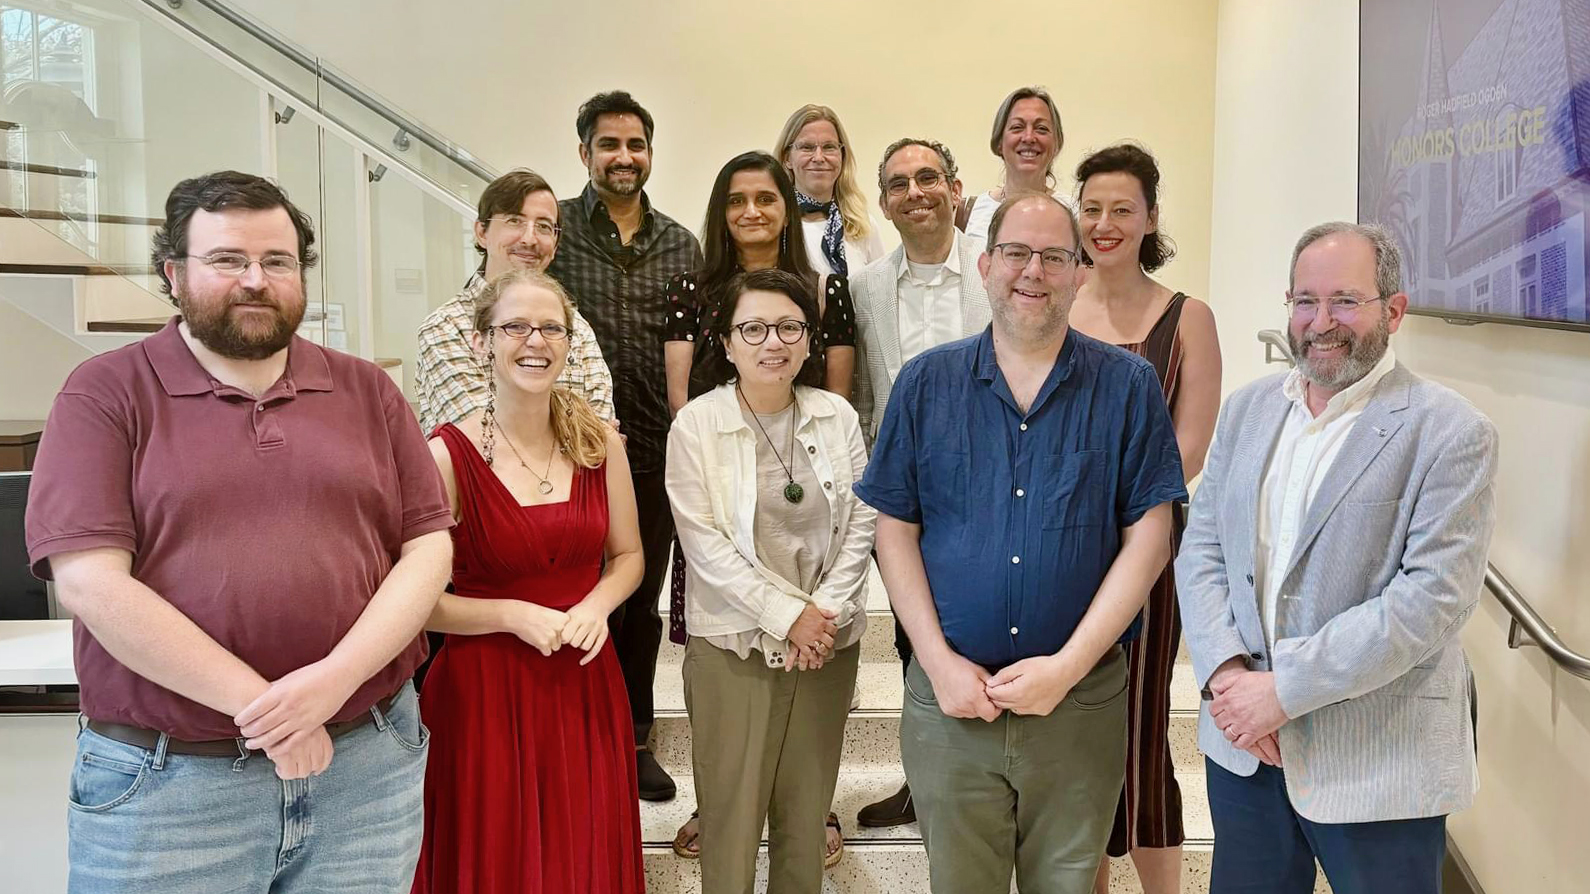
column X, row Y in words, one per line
column 1247, row 710
column 1033, row 686
column 584, row 626
column 812, row 638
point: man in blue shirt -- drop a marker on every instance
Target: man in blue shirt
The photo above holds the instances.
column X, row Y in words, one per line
column 1023, row 479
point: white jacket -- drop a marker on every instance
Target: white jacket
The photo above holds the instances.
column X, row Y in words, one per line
column 711, row 478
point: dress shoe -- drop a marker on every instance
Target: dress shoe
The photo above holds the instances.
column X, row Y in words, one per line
column 653, row 781
column 895, row 810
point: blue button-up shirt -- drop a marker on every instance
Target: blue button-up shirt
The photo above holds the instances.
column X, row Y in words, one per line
column 1021, row 513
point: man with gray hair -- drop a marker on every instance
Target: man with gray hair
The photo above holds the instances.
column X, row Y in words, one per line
column 1334, row 550
column 927, row 292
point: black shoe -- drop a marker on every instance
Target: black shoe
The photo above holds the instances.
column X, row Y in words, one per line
column 895, row 810
column 654, row 782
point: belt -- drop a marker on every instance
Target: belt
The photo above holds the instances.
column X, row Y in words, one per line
column 147, row 738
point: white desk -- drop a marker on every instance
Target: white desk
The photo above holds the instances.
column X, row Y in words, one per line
column 36, row 653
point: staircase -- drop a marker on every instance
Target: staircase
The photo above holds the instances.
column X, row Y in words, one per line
column 885, row 861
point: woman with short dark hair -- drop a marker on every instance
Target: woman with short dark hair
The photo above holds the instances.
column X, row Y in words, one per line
column 759, row 474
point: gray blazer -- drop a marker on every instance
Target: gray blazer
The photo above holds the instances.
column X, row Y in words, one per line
column 1387, row 568
column 875, row 294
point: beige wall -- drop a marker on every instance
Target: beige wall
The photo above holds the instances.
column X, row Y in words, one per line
column 34, row 363
column 504, row 79
column 1286, row 157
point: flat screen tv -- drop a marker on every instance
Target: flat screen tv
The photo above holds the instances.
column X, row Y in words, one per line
column 1474, row 150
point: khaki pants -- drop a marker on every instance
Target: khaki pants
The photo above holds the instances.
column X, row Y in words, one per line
column 766, row 748
column 1036, row 795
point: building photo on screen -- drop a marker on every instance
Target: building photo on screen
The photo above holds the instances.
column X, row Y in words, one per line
column 1474, row 134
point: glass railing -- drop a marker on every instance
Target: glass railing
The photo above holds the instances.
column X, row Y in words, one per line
column 162, row 91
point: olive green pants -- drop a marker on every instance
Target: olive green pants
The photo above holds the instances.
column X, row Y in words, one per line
column 1033, row 795
column 766, row 746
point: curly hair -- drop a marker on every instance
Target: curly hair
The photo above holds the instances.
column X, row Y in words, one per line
column 1131, row 158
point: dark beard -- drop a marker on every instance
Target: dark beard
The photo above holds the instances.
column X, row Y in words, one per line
column 628, row 189
column 215, row 327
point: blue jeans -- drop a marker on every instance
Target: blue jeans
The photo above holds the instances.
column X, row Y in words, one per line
column 1262, row 846
column 142, row 821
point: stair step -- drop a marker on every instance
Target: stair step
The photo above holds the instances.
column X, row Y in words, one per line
column 7, row 164
column 152, row 324
column 890, row 860
column 44, row 214
column 78, row 269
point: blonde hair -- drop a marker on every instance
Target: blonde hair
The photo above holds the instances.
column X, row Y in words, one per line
column 852, row 204
column 580, row 434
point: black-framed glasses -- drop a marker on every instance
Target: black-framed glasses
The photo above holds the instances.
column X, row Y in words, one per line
column 754, row 332
column 926, row 179
column 1017, row 256
column 233, row 263
column 518, row 223
column 519, row 331
column 1340, row 307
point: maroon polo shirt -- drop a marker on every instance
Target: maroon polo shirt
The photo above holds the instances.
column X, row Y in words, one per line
column 269, row 522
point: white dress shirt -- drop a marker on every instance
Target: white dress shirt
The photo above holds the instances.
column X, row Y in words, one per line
column 929, row 310
column 1303, row 455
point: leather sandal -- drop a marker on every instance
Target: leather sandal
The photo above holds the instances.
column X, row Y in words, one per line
column 832, row 860
column 682, row 843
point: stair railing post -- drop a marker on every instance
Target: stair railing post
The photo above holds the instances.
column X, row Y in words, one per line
column 364, row 256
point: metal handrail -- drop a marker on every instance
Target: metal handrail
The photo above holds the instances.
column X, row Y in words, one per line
column 312, row 64
column 1527, row 628
column 1525, row 625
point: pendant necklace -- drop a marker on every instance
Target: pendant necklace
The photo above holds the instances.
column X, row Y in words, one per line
column 545, row 487
column 793, row 492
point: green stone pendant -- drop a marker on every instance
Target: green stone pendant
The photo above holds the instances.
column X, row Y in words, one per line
column 794, row 492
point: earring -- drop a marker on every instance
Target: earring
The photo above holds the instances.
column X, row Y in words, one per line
column 488, row 419
column 783, row 243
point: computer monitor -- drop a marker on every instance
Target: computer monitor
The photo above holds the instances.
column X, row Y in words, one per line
column 22, row 596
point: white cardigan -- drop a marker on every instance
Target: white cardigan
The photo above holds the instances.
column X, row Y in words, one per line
column 711, row 478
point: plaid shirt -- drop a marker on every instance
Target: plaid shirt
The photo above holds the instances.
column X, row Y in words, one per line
column 451, row 380
column 619, row 288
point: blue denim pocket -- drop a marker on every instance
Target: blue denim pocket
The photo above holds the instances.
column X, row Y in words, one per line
column 107, row 773
column 403, row 721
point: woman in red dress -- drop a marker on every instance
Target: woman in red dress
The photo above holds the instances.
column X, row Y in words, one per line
column 531, row 780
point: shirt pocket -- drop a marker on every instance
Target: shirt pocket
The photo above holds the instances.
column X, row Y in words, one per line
column 1073, row 490
column 944, row 486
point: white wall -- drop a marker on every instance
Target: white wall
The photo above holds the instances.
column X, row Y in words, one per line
column 1285, row 158
column 504, row 79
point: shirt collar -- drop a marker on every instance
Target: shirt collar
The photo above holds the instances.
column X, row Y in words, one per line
column 475, row 286
column 1344, row 401
column 730, row 419
column 985, row 365
column 593, row 203
column 952, row 264
column 180, row 374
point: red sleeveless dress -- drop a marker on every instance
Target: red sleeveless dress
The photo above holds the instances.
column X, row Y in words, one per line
column 530, row 785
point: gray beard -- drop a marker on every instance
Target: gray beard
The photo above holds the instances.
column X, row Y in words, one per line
column 1362, row 355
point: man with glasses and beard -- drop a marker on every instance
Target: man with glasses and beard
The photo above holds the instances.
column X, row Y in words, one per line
column 250, row 533
column 615, row 257
column 1023, row 480
column 1333, row 553
column 925, row 293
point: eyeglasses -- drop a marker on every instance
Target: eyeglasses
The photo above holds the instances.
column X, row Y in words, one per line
column 810, row 149
column 520, row 331
column 1017, row 256
column 231, row 263
column 754, row 332
column 515, row 223
column 1340, row 307
column 926, row 179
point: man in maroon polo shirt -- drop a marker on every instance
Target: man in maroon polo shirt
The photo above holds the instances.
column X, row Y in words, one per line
column 250, row 532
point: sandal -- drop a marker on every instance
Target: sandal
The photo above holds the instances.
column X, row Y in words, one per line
column 689, row 846
column 832, row 860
